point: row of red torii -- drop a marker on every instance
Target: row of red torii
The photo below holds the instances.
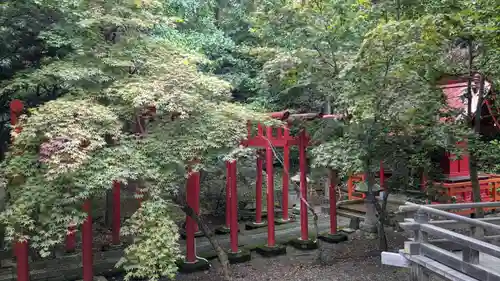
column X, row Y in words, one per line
column 263, row 139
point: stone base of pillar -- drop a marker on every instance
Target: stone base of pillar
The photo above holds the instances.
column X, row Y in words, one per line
column 223, row 230
column 308, row 244
column 239, row 257
column 282, row 221
column 254, row 225
column 190, row 267
column 267, row 251
column 333, row 238
column 196, row 234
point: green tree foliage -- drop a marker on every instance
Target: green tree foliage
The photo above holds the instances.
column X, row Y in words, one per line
column 92, row 71
column 111, row 72
column 151, row 227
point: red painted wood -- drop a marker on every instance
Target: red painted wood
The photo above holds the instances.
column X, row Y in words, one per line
column 280, row 115
column 22, row 264
column 228, row 194
column 263, row 141
column 87, row 254
column 234, row 209
column 116, row 213
column 453, row 167
column 196, row 195
column 271, row 241
column 304, row 235
column 16, row 106
column 20, row 247
column 190, row 223
column 279, row 133
column 71, row 239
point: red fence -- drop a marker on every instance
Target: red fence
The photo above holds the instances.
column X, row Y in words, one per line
column 456, row 192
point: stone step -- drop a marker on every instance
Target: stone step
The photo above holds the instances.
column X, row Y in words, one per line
column 350, row 215
column 353, row 208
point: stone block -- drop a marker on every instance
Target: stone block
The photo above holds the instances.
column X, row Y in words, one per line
column 254, row 225
column 271, row 251
column 223, row 230
column 189, row 267
column 348, row 230
column 282, row 221
column 308, row 244
column 333, row 238
column 354, row 223
column 239, row 257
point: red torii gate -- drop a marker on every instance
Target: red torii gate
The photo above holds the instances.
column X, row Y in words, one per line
column 262, row 140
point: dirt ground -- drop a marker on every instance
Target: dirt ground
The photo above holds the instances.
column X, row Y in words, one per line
column 355, row 260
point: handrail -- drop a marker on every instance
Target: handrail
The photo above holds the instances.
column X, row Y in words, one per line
column 478, row 258
column 412, row 207
column 453, row 224
column 478, row 223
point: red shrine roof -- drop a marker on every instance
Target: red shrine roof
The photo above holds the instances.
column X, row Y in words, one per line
column 455, row 89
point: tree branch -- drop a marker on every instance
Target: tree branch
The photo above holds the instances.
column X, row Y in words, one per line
column 333, row 65
column 221, row 254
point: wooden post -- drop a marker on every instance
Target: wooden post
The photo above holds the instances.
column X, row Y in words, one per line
column 71, row 239
column 190, row 222
column 234, row 209
column 350, row 187
column 20, row 247
column 21, row 252
column 228, row 196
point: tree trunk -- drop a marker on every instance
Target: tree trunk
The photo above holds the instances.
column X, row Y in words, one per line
column 221, row 254
column 218, row 11
column 369, row 225
column 473, row 169
column 382, row 219
column 474, row 177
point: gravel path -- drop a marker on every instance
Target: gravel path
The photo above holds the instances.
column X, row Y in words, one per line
column 355, row 260
column 284, row 268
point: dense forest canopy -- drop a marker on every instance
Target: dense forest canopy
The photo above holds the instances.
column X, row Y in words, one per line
column 137, row 89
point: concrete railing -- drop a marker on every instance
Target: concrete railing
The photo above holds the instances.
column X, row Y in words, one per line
column 474, row 258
